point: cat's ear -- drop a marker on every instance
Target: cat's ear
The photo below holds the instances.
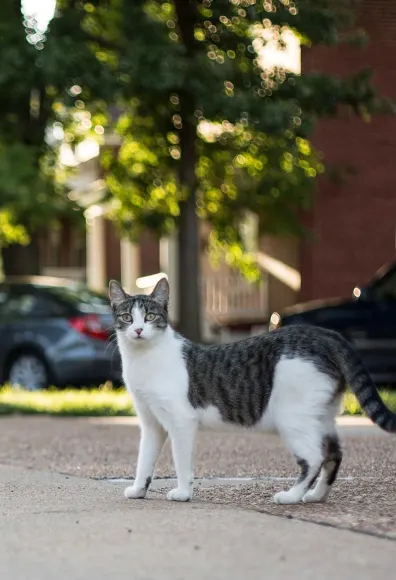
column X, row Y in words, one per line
column 161, row 293
column 116, row 293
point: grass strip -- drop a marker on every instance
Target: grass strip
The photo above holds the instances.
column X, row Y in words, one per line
column 107, row 402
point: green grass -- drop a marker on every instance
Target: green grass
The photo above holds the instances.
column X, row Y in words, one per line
column 69, row 402
column 352, row 407
column 108, row 402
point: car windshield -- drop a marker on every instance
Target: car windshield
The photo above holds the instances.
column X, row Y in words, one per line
column 81, row 298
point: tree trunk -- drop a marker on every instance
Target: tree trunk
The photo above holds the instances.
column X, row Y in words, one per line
column 188, row 247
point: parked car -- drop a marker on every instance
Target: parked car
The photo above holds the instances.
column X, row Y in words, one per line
column 55, row 332
column 367, row 320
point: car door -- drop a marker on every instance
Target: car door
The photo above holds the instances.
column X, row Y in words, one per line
column 24, row 314
column 377, row 342
column 5, row 331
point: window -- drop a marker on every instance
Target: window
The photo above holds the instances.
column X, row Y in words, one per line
column 22, row 301
column 80, row 298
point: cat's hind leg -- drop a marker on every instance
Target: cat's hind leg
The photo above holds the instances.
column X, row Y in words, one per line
column 332, row 455
column 329, row 471
column 303, row 406
column 305, row 444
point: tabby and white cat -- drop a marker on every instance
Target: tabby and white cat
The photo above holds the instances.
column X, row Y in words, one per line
column 291, row 380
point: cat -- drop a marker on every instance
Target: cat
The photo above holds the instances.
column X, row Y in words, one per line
column 291, row 379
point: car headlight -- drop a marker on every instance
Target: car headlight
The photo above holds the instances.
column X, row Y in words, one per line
column 275, row 321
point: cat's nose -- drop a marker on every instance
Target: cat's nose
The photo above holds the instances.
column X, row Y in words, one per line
column 138, row 331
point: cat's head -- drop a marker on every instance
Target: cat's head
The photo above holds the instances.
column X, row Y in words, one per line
column 141, row 319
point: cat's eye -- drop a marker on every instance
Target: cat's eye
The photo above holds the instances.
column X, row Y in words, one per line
column 150, row 317
column 126, row 317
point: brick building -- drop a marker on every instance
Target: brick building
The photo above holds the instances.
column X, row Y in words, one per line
column 354, row 222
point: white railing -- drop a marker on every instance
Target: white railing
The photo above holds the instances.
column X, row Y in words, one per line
column 231, row 298
column 77, row 274
column 227, row 297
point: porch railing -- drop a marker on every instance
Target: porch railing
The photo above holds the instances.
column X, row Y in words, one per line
column 77, row 274
column 231, row 298
column 226, row 297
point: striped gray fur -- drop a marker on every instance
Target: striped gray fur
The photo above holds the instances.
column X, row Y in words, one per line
column 237, row 378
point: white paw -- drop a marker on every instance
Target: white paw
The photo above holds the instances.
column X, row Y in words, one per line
column 287, row 497
column 133, row 492
column 179, row 494
column 312, row 496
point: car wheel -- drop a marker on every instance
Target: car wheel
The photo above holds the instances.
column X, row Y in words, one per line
column 28, row 371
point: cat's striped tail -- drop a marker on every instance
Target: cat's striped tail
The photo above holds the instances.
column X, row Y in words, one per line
column 358, row 378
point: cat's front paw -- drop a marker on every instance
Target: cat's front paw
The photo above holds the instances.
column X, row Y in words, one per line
column 287, row 497
column 135, row 492
column 178, row 494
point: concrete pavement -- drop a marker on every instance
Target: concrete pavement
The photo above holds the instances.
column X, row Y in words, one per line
column 363, row 497
column 71, row 528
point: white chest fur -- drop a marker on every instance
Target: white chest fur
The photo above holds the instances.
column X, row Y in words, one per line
column 156, row 376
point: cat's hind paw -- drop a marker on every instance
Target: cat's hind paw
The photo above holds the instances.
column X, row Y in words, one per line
column 315, row 496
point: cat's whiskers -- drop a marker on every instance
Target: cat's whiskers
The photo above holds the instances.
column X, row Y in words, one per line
column 111, row 342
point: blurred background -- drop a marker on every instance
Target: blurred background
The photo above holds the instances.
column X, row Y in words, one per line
column 243, row 148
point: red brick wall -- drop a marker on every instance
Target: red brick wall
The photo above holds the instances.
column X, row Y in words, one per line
column 354, row 223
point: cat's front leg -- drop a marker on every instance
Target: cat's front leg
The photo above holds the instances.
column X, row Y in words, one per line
column 183, row 435
column 152, row 439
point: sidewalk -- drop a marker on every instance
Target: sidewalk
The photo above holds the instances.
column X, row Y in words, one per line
column 70, row 528
column 363, row 497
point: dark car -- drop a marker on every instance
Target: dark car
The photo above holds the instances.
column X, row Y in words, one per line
column 55, row 332
column 367, row 320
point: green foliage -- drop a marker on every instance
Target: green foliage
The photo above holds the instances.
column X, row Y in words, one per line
column 30, row 191
column 183, row 85
column 11, row 232
column 186, row 64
